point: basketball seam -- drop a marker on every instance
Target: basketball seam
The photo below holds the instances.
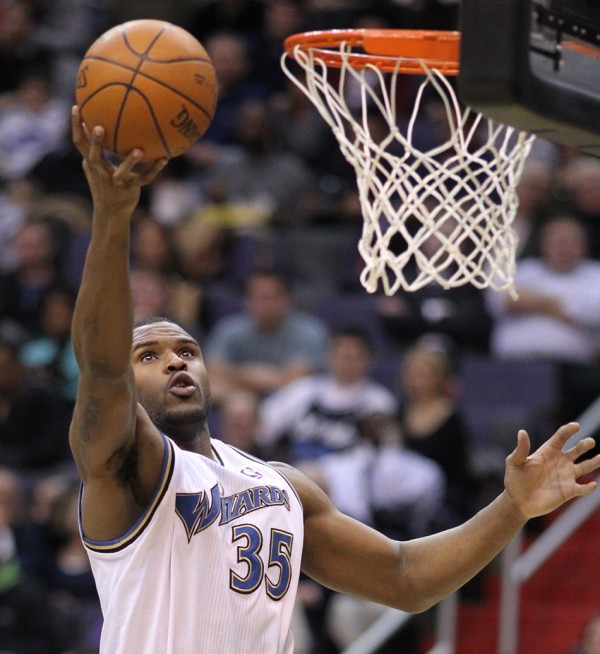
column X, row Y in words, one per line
column 128, row 89
column 156, row 123
column 202, row 109
column 157, row 81
column 154, row 61
column 198, row 80
column 131, row 88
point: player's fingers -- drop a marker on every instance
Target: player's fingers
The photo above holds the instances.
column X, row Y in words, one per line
column 95, row 151
column 562, row 434
column 585, row 489
column 584, row 445
column 80, row 140
column 519, row 455
column 586, row 467
column 124, row 170
column 148, row 175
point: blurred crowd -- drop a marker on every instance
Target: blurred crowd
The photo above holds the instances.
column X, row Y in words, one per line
column 249, row 242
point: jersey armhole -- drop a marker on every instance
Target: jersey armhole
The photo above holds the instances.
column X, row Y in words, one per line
column 142, row 522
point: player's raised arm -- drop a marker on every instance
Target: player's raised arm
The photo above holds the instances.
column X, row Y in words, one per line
column 414, row 575
column 105, row 412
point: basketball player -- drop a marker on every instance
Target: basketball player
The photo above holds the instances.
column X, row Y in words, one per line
column 197, row 547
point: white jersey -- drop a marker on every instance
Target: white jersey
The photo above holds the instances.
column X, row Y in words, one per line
column 211, row 566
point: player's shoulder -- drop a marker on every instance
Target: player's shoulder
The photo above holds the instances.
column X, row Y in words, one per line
column 308, row 488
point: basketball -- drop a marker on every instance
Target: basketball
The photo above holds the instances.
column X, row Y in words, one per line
column 151, row 85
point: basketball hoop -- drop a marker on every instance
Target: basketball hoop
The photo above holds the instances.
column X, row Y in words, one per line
column 440, row 214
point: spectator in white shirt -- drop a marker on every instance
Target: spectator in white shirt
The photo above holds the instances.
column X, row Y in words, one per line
column 556, row 316
column 31, row 127
column 320, row 414
column 557, row 313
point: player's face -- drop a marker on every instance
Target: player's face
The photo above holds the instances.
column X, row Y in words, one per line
column 170, row 375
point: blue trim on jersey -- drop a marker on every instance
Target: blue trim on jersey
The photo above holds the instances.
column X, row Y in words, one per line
column 139, row 526
column 216, row 456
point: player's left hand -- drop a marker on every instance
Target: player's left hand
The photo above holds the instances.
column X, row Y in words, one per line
column 114, row 187
column 540, row 482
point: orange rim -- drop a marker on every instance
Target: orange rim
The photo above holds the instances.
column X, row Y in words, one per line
column 582, row 48
column 404, row 51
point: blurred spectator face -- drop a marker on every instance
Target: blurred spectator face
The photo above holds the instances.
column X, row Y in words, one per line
column 57, row 314
column 424, row 374
column 16, row 24
column 229, row 57
column 563, row 244
column 534, row 189
column 64, row 517
column 282, row 18
column 34, row 245
column 253, row 125
column 11, row 372
column 348, row 359
column 239, row 420
column 267, row 301
column 151, row 247
column 149, row 294
column 46, row 493
column 34, row 93
column 581, row 178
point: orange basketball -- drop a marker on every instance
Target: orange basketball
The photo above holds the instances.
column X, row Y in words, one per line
column 151, row 85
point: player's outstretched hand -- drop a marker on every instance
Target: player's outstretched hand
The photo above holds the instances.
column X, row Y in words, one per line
column 540, row 482
column 114, row 188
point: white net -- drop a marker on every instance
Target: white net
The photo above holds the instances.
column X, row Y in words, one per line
column 439, row 214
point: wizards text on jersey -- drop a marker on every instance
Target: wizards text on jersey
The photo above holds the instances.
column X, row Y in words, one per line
column 200, row 510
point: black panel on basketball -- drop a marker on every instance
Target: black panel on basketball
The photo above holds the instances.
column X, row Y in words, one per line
column 534, row 64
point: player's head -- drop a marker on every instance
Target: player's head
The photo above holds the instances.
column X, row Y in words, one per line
column 170, row 376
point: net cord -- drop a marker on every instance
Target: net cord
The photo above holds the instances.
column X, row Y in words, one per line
column 461, row 192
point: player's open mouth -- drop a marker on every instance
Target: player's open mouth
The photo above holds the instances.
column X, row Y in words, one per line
column 182, row 385
column 183, row 391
